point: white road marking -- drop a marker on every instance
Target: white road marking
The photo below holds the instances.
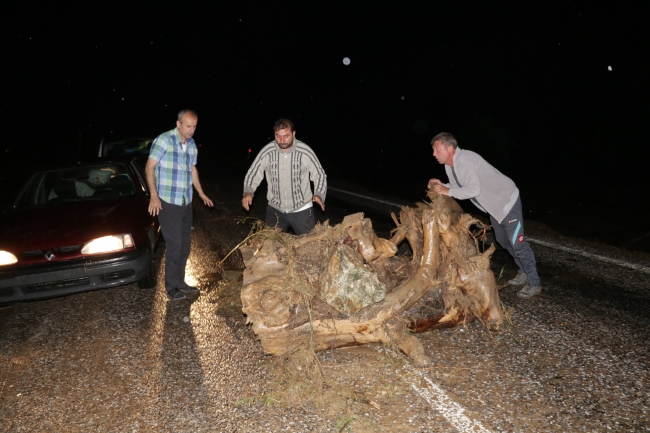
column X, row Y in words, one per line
column 598, row 257
column 390, row 203
column 453, row 412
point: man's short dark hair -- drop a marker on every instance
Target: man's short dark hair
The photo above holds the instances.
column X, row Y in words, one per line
column 283, row 124
column 445, row 138
column 182, row 113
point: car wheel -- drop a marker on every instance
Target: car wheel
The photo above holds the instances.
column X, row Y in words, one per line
column 151, row 279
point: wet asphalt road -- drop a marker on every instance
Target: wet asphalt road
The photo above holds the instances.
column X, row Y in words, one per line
column 575, row 358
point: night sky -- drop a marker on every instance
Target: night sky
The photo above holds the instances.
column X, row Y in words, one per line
column 555, row 96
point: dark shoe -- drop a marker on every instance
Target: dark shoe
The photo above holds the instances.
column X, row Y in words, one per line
column 175, row 294
column 529, row 291
column 190, row 290
column 519, row 280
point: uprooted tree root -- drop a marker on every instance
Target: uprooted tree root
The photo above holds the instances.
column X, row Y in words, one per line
column 285, row 276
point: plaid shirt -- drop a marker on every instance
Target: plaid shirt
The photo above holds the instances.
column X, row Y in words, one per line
column 174, row 168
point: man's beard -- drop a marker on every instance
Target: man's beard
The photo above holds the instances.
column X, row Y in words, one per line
column 285, row 145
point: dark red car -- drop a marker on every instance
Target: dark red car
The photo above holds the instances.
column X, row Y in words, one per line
column 77, row 228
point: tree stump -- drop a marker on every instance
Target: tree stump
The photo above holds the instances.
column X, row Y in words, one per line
column 343, row 285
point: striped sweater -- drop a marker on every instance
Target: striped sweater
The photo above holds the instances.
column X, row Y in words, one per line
column 287, row 175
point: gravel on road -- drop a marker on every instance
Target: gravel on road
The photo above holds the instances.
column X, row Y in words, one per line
column 573, row 359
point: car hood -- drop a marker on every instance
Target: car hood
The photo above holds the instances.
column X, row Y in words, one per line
column 70, row 224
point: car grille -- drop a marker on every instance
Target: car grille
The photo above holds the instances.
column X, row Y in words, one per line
column 117, row 275
column 54, row 250
column 51, row 285
column 7, row 291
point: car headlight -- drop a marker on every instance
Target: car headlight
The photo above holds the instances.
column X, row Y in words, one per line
column 108, row 244
column 6, row 258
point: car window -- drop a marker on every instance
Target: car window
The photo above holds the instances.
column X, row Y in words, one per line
column 84, row 182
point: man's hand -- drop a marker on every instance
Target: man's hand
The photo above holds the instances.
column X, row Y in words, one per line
column 433, row 182
column 318, row 200
column 441, row 189
column 154, row 205
column 247, row 200
column 206, row 200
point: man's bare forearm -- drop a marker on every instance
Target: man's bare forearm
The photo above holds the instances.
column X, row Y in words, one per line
column 151, row 177
column 196, row 182
column 197, row 185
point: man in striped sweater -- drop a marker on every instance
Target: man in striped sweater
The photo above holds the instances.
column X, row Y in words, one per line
column 289, row 166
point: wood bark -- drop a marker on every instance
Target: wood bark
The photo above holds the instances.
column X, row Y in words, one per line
column 281, row 297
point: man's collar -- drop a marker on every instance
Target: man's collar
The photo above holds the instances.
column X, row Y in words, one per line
column 178, row 137
column 456, row 152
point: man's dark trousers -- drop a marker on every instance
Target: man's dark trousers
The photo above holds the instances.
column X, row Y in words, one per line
column 176, row 224
column 301, row 222
column 510, row 235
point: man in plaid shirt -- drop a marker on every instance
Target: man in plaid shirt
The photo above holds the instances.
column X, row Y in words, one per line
column 171, row 173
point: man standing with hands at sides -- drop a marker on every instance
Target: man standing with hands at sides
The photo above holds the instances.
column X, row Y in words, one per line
column 171, row 173
column 472, row 177
column 289, row 164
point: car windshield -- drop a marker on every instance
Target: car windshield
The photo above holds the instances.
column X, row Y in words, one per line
column 83, row 182
column 126, row 147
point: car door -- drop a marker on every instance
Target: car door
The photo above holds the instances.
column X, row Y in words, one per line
column 138, row 168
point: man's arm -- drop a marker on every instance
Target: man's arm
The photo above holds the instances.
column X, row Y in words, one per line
column 318, row 176
column 154, row 201
column 254, row 177
column 468, row 178
column 197, row 185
